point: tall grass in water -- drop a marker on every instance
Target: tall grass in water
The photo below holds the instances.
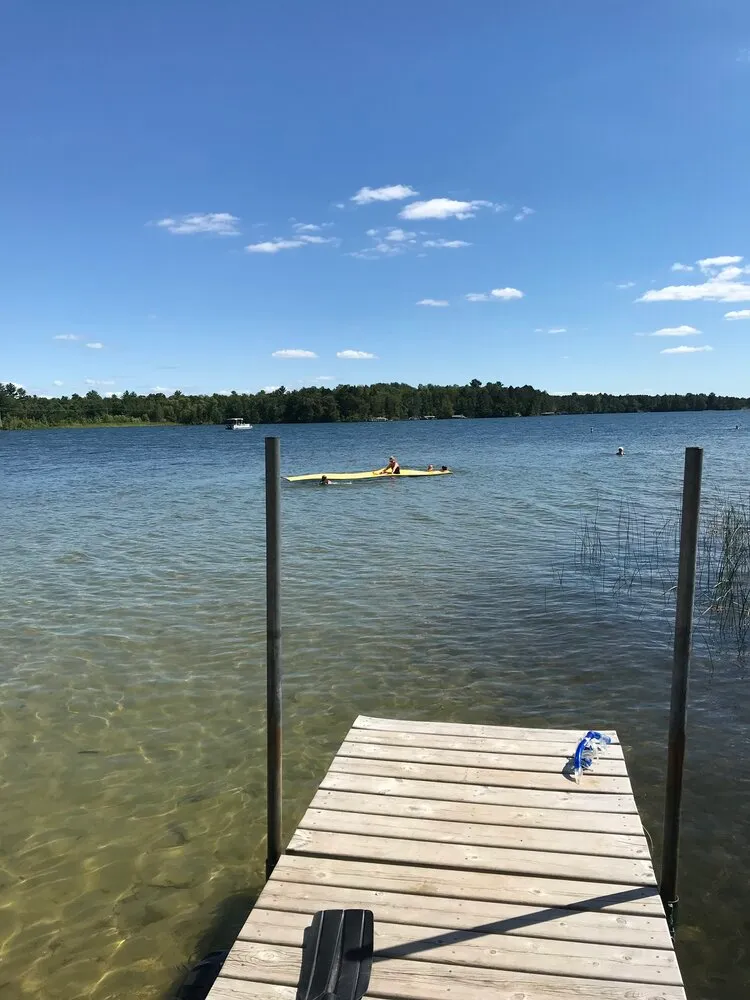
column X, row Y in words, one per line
column 724, row 570
column 632, row 557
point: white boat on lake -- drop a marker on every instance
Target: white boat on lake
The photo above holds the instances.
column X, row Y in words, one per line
column 237, row 424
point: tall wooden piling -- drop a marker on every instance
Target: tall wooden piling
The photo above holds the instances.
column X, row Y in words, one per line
column 273, row 653
column 683, row 635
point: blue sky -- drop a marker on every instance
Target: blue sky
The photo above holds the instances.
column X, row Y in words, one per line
column 190, row 188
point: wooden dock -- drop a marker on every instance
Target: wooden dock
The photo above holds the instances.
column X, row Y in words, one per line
column 490, row 873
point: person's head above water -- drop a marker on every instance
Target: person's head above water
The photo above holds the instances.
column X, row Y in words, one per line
column 443, row 468
column 324, row 480
column 620, row 451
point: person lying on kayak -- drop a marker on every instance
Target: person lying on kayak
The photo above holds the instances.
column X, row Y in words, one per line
column 392, row 469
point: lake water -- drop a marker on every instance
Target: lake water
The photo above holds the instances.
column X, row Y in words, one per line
column 132, row 662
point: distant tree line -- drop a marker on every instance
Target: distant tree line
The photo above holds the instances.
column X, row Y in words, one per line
column 394, row 401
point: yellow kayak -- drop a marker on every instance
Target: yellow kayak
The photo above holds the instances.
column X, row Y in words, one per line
column 376, row 474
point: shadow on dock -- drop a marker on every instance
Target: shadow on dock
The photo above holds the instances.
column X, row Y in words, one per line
column 512, row 924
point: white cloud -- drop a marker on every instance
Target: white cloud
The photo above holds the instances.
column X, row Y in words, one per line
column 523, row 214
column 381, row 248
column 324, row 378
column 442, row 208
column 684, row 349
column 400, row 236
column 681, row 267
column 57, row 382
column 672, row 331
column 270, row 388
column 279, row 243
column 67, row 336
column 274, row 246
column 350, row 355
column 497, row 294
column 293, row 352
column 320, row 239
column 95, row 345
column 447, row 244
column 98, row 381
column 438, row 303
column 710, row 291
column 218, row 223
column 709, row 263
column 310, row 227
column 557, row 329
column 626, row 284
column 737, row 314
column 161, row 388
column 720, row 284
column 391, row 192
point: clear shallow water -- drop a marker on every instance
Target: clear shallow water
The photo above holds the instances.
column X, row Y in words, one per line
column 132, row 662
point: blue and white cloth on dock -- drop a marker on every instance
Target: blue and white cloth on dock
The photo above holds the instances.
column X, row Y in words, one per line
column 589, row 747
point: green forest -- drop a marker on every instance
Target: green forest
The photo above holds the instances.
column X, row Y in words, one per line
column 393, row 401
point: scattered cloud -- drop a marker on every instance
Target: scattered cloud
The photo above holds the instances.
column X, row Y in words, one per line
column 557, row 329
column 626, row 284
column 446, row 244
column 98, row 381
column 709, row 263
column 438, row 303
column 324, row 378
column 391, row 244
column 350, row 355
column 274, row 246
column 681, row 267
column 161, row 388
column 401, row 236
column 95, row 345
column 524, row 213
column 57, row 382
column 218, row 223
column 684, row 349
column 443, row 208
column 497, row 294
column 293, row 352
column 720, row 284
column 309, row 227
column 391, row 192
column 67, row 336
column 737, row 314
column 278, row 243
column 320, row 239
column 270, row 388
column 672, row 331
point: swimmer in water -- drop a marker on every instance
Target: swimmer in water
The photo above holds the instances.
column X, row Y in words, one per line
column 430, row 468
column 325, row 481
column 620, row 452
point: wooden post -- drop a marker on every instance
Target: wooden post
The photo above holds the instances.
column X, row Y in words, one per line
column 273, row 653
column 683, row 634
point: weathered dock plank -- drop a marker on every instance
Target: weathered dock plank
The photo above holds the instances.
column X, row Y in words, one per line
column 490, row 873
